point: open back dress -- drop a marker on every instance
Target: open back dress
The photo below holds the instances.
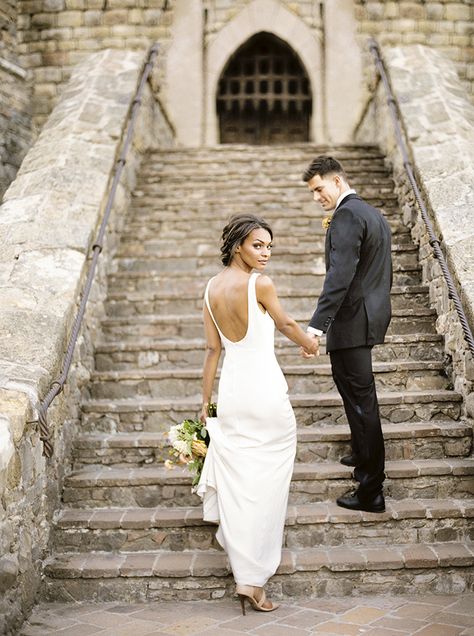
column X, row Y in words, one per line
column 246, row 475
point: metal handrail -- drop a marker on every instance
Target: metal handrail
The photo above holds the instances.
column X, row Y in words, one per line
column 58, row 385
column 433, row 240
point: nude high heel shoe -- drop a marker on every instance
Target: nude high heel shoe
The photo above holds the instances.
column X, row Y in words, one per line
column 246, row 593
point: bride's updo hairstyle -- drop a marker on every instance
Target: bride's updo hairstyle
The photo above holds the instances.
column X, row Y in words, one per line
column 236, row 231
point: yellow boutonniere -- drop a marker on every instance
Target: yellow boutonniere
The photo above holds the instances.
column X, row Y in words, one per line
column 326, row 222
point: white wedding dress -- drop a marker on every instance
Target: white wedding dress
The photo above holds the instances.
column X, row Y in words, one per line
column 248, row 467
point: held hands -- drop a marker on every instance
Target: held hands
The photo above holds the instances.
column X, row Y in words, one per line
column 312, row 348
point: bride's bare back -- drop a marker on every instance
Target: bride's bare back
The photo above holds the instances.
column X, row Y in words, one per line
column 228, row 298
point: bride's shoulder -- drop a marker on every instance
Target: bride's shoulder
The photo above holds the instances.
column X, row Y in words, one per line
column 264, row 282
column 209, row 281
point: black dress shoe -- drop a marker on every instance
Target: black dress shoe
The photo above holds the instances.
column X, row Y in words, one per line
column 349, row 460
column 351, row 500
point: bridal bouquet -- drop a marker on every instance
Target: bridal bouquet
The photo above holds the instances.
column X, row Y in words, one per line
column 189, row 441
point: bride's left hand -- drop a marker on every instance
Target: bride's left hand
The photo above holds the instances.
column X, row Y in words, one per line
column 203, row 415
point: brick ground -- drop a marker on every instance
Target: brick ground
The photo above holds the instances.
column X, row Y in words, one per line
column 370, row 616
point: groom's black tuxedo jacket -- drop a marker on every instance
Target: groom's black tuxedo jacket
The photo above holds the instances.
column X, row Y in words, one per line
column 354, row 306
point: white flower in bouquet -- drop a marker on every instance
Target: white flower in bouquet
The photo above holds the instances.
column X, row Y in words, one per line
column 189, row 441
column 173, row 433
column 182, row 447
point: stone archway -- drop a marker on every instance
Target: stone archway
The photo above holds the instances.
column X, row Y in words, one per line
column 264, row 94
column 271, row 17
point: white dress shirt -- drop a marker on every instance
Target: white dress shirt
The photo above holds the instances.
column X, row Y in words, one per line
column 312, row 330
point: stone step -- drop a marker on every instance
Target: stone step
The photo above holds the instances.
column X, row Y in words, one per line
column 163, row 310
column 182, row 293
column 307, row 252
column 305, row 572
column 298, row 299
column 148, row 414
column 231, row 185
column 267, row 175
column 151, row 353
column 316, row 481
column 404, row 321
column 189, row 299
column 178, row 229
column 307, row 525
column 254, row 163
column 303, row 241
column 146, row 275
column 280, row 207
column 166, row 228
column 283, row 209
column 290, row 200
column 293, row 203
column 154, row 201
column 298, row 269
column 256, row 169
column 411, row 375
column 246, row 152
column 292, row 221
column 414, row 440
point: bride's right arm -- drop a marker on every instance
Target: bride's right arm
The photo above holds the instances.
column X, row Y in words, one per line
column 267, row 296
column 211, row 360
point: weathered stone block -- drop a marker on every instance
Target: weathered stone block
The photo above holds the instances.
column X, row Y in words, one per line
column 70, row 19
column 53, row 5
column 115, row 16
column 435, row 10
column 75, row 5
column 9, row 569
column 93, row 18
column 458, row 11
column 44, row 20
column 412, row 10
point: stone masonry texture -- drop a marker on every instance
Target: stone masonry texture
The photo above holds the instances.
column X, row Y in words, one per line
column 55, row 35
column 439, row 122
column 48, row 220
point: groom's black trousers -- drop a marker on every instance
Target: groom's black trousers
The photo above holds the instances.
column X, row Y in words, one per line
column 352, row 373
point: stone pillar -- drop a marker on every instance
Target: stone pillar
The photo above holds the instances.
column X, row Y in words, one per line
column 184, row 72
column 343, row 71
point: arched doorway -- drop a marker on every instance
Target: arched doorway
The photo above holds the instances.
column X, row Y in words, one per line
column 264, row 94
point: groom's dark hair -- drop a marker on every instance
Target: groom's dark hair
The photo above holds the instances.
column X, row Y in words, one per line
column 322, row 166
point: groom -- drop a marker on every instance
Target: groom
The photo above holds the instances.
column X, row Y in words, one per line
column 354, row 312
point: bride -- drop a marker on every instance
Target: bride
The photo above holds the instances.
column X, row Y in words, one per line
column 246, row 475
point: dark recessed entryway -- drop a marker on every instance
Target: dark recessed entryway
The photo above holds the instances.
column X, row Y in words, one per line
column 264, row 94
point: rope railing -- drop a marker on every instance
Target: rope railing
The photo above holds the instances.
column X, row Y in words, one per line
column 433, row 240
column 58, row 385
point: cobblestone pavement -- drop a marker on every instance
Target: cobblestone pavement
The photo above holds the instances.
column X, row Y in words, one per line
column 371, row 616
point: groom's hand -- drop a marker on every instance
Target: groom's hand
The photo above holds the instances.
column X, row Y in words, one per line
column 312, row 349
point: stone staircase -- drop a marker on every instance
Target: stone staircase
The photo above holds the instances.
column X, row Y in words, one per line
column 132, row 530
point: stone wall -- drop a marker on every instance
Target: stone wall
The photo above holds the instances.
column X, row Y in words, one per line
column 48, row 222
column 438, row 119
column 444, row 25
column 15, row 118
column 55, row 35
column 220, row 12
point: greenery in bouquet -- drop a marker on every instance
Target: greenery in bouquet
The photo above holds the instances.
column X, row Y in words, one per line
column 189, row 441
